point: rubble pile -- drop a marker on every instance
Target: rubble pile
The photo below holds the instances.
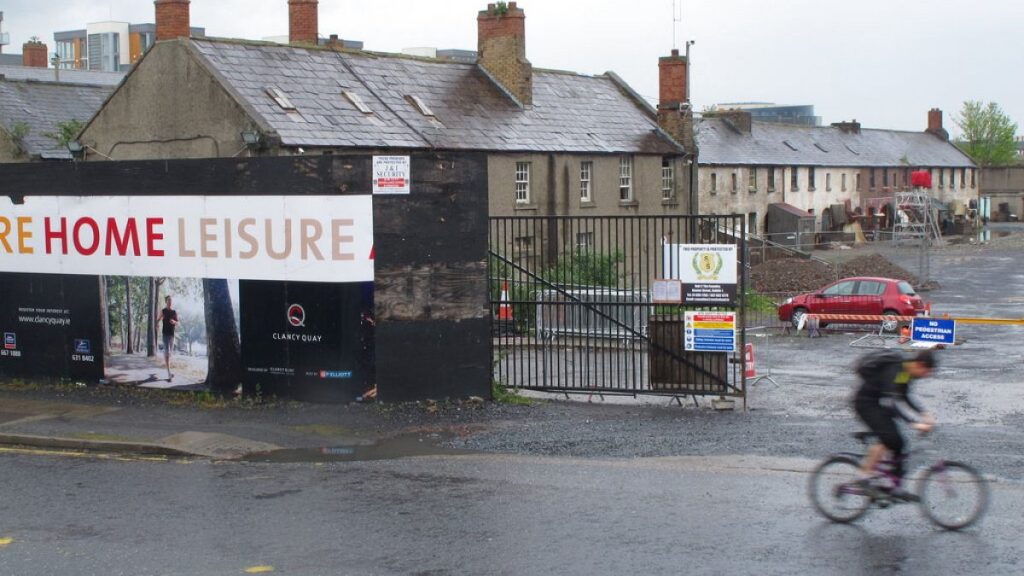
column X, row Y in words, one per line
column 794, row 275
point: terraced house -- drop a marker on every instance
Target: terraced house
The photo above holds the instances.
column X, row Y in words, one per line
column 557, row 142
column 746, row 165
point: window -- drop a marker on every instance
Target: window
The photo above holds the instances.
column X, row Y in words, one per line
column 842, row 183
column 952, row 178
column 714, row 183
column 974, row 175
column 794, row 183
column 828, row 182
column 420, row 105
column 523, row 243
column 522, row 182
column 752, row 179
column 584, row 240
column 586, row 177
column 870, row 288
column 885, row 176
column 963, row 178
column 357, row 101
column 626, row 178
column 752, row 223
column 668, row 179
column 771, row 179
column 280, row 98
column 104, row 51
column 841, row 289
column 810, row 179
column 871, row 178
column 857, row 183
column 735, row 182
column 942, row 178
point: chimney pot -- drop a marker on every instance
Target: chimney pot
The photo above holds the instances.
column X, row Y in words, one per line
column 501, row 45
column 303, row 22
column 172, row 19
column 34, row 54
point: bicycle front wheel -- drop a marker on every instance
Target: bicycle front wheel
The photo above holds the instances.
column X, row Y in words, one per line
column 953, row 495
column 835, row 491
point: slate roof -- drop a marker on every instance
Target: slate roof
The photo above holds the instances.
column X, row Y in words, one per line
column 570, row 112
column 766, row 144
column 92, row 77
column 42, row 106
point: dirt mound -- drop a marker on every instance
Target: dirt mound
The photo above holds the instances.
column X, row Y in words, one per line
column 799, row 275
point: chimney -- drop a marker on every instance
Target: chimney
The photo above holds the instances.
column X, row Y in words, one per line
column 303, row 25
column 501, row 47
column 172, row 20
column 851, row 127
column 675, row 116
column 34, row 54
column 935, row 124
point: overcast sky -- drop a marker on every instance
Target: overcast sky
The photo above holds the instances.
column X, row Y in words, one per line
column 882, row 62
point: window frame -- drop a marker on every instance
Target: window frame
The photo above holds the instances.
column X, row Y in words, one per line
column 522, row 185
column 668, row 178
column 626, row 179
column 587, row 181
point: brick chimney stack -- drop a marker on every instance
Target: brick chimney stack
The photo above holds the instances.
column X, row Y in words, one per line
column 935, row 124
column 303, row 22
column 501, row 48
column 35, row 54
column 172, row 19
column 675, row 115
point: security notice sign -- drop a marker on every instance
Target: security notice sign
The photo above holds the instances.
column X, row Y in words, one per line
column 710, row 332
column 707, row 271
column 391, row 174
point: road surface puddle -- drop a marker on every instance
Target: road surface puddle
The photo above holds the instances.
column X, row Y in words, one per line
column 388, row 449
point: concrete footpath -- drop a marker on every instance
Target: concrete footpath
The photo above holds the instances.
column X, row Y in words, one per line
column 118, row 419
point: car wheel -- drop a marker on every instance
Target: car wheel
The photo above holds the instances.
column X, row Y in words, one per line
column 798, row 317
column 890, row 325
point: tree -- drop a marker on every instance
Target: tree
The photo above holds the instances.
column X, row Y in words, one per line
column 222, row 344
column 988, row 134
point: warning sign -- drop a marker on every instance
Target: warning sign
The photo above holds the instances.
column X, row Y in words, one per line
column 710, row 332
column 391, row 175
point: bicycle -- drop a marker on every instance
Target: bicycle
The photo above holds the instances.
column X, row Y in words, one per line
column 951, row 494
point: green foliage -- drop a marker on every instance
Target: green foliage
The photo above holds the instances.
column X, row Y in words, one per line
column 504, row 395
column 66, row 131
column 586, row 268
column 988, row 134
column 19, row 130
column 502, row 7
column 760, row 303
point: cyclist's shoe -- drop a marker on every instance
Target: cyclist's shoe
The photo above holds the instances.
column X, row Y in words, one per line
column 871, row 488
column 901, row 495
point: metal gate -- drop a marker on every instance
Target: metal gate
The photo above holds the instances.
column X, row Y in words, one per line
column 573, row 307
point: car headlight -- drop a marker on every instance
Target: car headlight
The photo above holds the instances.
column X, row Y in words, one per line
column 788, row 301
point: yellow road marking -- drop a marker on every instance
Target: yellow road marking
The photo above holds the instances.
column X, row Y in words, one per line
column 259, row 569
column 5, row 541
column 997, row 321
column 73, row 454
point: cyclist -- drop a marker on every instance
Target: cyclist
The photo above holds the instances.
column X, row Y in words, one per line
column 884, row 391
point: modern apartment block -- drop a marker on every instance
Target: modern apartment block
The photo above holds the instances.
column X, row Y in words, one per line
column 107, row 46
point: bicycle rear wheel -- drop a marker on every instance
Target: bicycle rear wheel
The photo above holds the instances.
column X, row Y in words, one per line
column 953, row 495
column 835, row 492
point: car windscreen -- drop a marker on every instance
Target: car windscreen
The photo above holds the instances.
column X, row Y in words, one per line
column 906, row 288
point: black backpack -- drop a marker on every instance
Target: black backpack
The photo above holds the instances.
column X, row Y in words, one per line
column 872, row 363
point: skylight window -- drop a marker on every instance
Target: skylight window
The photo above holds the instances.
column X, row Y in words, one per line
column 420, row 105
column 820, row 147
column 790, row 145
column 357, row 102
column 281, row 99
column 851, row 149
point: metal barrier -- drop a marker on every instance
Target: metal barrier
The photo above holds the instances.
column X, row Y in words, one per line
column 593, row 312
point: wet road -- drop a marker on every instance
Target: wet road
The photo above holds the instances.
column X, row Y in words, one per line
column 473, row 514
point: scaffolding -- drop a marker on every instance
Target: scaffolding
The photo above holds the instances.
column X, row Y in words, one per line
column 915, row 223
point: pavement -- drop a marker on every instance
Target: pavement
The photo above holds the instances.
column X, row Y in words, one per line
column 123, row 419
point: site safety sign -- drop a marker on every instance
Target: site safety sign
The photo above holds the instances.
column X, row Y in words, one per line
column 933, row 330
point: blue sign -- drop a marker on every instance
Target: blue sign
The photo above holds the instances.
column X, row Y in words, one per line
column 933, row 330
column 10, row 341
column 82, row 346
column 710, row 332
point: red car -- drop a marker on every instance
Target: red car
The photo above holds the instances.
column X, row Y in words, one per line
column 860, row 295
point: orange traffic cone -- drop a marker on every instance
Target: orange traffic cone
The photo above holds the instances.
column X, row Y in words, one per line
column 504, row 308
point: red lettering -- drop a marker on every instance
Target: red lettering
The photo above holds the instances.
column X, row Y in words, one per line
column 152, row 235
column 61, row 234
column 116, row 240
column 76, row 234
